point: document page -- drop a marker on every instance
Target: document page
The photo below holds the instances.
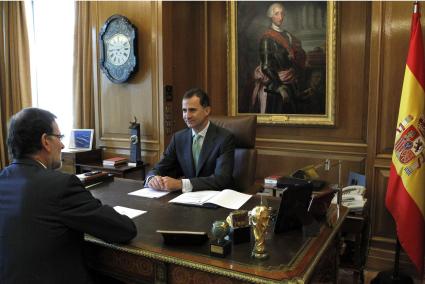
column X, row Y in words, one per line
column 227, row 198
column 149, row 193
column 129, row 212
column 195, row 198
column 230, row 199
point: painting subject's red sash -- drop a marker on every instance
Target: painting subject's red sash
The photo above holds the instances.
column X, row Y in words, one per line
column 276, row 36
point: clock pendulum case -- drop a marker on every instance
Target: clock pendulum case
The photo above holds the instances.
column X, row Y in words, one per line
column 118, row 49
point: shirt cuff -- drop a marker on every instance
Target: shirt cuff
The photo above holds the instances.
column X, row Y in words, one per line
column 147, row 180
column 186, row 185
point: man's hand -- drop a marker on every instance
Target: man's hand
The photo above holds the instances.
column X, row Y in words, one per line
column 172, row 184
column 156, row 183
column 165, row 183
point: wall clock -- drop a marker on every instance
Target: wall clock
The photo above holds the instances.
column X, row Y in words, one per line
column 117, row 43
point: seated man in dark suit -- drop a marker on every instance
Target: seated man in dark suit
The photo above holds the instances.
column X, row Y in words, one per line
column 44, row 213
column 202, row 154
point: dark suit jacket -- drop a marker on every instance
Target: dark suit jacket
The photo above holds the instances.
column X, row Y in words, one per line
column 215, row 160
column 43, row 217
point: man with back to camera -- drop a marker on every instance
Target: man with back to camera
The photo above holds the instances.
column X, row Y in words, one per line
column 203, row 153
column 44, row 213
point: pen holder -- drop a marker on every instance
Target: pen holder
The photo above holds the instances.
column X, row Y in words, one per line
column 240, row 235
column 240, row 230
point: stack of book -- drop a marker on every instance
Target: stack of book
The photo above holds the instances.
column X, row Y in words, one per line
column 115, row 161
column 272, row 180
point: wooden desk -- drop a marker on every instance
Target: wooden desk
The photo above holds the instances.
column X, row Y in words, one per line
column 122, row 171
column 70, row 159
column 355, row 234
column 293, row 258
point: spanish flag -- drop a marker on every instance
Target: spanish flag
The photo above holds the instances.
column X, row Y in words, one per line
column 405, row 198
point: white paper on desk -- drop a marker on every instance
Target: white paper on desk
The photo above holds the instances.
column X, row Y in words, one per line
column 226, row 198
column 149, row 193
column 195, row 198
column 230, row 199
column 131, row 213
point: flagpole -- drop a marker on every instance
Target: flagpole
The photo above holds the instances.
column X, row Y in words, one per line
column 397, row 260
column 399, row 182
column 393, row 276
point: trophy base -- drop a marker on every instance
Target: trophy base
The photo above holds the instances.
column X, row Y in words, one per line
column 220, row 249
column 241, row 235
column 259, row 255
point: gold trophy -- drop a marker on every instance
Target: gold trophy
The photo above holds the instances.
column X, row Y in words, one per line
column 259, row 219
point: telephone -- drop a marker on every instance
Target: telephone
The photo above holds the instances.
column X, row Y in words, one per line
column 354, row 190
column 351, row 193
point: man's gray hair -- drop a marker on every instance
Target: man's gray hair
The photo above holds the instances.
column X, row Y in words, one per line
column 272, row 7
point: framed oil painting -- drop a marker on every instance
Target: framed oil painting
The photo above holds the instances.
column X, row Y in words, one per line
column 281, row 61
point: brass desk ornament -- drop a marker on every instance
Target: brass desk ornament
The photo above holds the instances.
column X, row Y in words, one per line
column 259, row 219
column 220, row 246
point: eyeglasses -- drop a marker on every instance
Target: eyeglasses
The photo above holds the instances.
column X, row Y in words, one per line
column 60, row 136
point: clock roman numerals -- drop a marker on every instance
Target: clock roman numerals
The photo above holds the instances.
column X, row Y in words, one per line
column 118, row 49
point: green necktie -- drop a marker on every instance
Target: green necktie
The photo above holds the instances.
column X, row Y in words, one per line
column 196, row 148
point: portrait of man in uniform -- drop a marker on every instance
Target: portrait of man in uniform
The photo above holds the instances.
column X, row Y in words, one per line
column 281, row 59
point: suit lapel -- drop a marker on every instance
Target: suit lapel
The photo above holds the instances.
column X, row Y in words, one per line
column 207, row 147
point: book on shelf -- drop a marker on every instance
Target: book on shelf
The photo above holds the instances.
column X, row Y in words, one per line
column 272, row 180
column 115, row 161
column 212, row 198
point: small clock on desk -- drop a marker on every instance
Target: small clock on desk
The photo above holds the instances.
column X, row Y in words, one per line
column 117, row 43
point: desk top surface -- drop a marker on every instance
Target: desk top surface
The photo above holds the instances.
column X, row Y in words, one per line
column 121, row 168
column 290, row 254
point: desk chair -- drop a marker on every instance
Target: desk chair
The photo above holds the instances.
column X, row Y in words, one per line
column 244, row 129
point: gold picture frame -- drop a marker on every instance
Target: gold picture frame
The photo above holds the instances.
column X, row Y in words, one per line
column 322, row 114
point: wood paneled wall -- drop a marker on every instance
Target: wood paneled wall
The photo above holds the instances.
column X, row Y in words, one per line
column 117, row 104
column 184, row 44
column 194, row 36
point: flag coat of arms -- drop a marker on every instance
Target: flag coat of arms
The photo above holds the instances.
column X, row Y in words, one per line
column 405, row 197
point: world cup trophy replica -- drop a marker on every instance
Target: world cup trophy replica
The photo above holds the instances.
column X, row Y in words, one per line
column 259, row 219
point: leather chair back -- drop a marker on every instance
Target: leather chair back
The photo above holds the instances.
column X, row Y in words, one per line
column 244, row 129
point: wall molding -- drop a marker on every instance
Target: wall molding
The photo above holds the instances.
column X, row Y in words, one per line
column 312, row 142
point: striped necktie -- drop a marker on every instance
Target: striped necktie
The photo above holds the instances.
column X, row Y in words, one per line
column 196, row 149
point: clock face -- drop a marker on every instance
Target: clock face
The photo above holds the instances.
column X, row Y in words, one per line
column 118, row 49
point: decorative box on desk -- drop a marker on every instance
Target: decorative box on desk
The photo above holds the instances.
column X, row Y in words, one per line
column 71, row 159
column 122, row 171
